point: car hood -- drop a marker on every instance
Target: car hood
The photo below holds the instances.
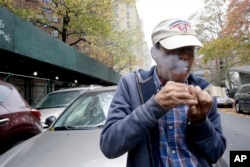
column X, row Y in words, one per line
column 61, row 148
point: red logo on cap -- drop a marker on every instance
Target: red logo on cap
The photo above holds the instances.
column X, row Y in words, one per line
column 180, row 25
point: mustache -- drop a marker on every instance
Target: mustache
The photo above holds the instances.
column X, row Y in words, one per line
column 170, row 62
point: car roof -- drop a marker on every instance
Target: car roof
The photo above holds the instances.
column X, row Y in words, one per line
column 104, row 88
column 76, row 88
column 244, row 85
column 7, row 84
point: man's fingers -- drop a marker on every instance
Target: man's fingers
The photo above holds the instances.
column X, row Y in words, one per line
column 203, row 96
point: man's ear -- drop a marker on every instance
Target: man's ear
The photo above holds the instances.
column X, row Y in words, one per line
column 154, row 54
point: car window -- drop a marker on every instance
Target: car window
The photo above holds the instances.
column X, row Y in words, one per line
column 105, row 100
column 242, row 89
column 90, row 110
column 59, row 99
column 245, row 89
column 5, row 92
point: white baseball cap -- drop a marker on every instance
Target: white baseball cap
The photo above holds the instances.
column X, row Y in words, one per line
column 175, row 33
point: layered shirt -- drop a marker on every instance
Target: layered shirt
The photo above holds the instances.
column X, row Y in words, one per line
column 174, row 151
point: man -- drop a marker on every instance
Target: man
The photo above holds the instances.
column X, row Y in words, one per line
column 163, row 117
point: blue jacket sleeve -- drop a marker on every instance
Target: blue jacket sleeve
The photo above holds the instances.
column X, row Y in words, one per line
column 207, row 138
column 128, row 121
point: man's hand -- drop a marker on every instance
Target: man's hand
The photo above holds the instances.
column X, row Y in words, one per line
column 197, row 113
column 174, row 94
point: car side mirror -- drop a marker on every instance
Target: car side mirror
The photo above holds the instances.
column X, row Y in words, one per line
column 50, row 120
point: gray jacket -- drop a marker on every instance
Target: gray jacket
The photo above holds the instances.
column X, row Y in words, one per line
column 132, row 125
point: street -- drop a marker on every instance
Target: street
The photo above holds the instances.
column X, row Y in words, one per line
column 236, row 128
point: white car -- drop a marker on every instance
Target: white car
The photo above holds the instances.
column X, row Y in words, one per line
column 55, row 102
column 224, row 102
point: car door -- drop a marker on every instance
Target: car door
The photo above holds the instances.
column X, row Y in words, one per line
column 5, row 114
column 246, row 105
column 244, row 97
column 5, row 123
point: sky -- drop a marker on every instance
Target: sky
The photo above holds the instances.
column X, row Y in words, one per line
column 154, row 11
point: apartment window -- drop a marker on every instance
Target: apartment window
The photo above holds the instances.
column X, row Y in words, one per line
column 46, row 10
column 128, row 24
column 54, row 33
column 127, row 6
column 128, row 15
column 116, row 11
column 76, row 47
column 45, row 1
column 55, row 19
column 248, row 16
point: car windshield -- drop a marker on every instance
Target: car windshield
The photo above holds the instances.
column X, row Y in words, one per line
column 58, row 99
column 88, row 111
column 5, row 92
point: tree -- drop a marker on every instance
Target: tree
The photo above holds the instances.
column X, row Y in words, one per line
column 237, row 27
column 79, row 20
column 223, row 50
column 238, row 18
column 7, row 4
column 227, row 41
column 209, row 23
column 210, row 20
column 25, row 13
column 89, row 26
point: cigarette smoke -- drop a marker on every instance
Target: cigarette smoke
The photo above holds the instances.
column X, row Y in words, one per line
column 170, row 62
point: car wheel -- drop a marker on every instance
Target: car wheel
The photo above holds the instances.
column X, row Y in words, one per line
column 237, row 108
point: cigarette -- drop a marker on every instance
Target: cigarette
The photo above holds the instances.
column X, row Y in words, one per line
column 185, row 69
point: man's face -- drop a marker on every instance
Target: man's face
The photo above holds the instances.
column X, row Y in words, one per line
column 174, row 65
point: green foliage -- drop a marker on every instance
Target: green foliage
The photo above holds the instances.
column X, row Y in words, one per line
column 218, row 48
column 7, row 4
column 26, row 13
column 116, row 51
column 88, row 23
column 81, row 20
column 224, row 30
column 92, row 23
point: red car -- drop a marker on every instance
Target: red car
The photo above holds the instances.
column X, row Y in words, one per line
column 18, row 120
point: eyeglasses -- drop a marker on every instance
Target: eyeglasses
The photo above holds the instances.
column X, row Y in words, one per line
column 189, row 50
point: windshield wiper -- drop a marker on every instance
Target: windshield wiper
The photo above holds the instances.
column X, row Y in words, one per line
column 65, row 128
column 77, row 127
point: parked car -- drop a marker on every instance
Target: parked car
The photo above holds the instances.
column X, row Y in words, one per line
column 55, row 102
column 242, row 99
column 224, row 102
column 18, row 120
column 72, row 140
